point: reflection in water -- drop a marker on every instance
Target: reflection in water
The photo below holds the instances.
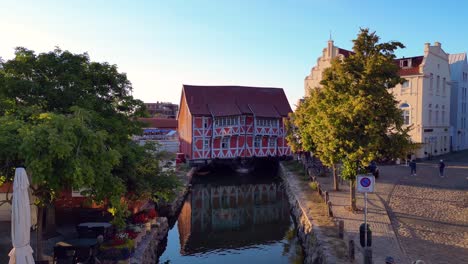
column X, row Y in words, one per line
column 233, row 221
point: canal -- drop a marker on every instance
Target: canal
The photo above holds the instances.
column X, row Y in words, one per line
column 231, row 218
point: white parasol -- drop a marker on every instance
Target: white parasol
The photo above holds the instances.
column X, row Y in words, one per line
column 21, row 220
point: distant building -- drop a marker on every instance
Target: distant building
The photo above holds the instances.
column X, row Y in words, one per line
column 162, row 109
column 229, row 122
column 162, row 131
column 458, row 109
column 424, row 98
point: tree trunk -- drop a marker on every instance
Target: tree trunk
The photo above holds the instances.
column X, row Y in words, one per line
column 50, row 226
column 40, row 215
column 352, row 192
column 335, row 179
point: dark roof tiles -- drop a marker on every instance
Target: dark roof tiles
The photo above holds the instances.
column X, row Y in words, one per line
column 233, row 100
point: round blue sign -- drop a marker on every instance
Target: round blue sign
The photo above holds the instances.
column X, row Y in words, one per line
column 365, row 182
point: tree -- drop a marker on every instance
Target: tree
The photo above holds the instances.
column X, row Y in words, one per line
column 353, row 118
column 69, row 121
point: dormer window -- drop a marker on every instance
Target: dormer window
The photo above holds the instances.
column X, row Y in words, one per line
column 405, row 63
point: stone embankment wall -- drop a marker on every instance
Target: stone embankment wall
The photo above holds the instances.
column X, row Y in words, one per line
column 316, row 251
column 149, row 246
column 171, row 209
column 147, row 249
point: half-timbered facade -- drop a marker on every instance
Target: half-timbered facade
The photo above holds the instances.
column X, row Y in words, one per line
column 229, row 122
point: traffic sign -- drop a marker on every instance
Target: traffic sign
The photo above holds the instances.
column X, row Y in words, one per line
column 365, row 183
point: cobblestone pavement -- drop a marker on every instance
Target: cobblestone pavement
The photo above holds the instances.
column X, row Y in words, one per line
column 430, row 213
column 384, row 240
column 413, row 217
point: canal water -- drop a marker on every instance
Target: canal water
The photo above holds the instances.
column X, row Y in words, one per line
column 229, row 218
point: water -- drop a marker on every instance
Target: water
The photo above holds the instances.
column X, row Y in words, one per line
column 229, row 218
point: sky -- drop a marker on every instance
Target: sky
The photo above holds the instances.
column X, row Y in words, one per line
column 267, row 43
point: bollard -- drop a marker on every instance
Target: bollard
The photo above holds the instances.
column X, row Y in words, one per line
column 319, row 189
column 367, row 255
column 330, row 212
column 327, row 197
column 351, row 249
column 341, row 229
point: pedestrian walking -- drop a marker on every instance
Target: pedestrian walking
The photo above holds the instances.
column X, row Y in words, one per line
column 441, row 168
column 412, row 165
column 389, row 260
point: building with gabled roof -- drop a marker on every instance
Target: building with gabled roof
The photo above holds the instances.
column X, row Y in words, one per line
column 229, row 122
column 424, row 98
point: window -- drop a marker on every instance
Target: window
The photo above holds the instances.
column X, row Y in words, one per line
column 272, row 142
column 406, row 113
column 205, row 122
column 406, row 84
column 431, row 82
column 443, row 117
column 443, row 86
column 206, row 143
column 405, row 63
column 225, row 142
column 226, row 121
column 437, row 117
column 258, row 142
column 438, row 84
column 430, row 117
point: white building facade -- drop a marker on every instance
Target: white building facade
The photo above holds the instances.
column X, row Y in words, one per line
column 458, row 109
column 424, row 98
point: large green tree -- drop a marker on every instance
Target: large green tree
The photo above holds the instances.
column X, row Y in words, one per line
column 69, row 121
column 353, row 118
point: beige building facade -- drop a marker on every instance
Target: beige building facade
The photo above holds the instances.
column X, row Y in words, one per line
column 424, row 98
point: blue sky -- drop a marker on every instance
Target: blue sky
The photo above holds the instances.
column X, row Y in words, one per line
column 164, row 44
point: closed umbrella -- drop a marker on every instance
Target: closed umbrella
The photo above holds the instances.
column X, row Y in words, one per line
column 21, row 220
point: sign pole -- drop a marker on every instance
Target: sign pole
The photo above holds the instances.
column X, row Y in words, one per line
column 365, row 219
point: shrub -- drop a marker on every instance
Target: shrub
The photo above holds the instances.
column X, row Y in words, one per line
column 313, row 185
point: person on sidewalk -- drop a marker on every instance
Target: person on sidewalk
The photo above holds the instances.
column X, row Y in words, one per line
column 389, row 260
column 441, row 168
column 412, row 165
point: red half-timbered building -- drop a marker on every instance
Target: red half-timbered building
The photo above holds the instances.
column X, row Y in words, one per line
column 230, row 122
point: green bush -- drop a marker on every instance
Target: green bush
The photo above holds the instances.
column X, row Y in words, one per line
column 313, row 185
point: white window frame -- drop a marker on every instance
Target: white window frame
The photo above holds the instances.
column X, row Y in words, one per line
column 406, row 85
column 225, row 142
column 406, row 113
column 272, row 142
column 258, row 142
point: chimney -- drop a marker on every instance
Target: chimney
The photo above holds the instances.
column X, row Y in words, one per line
column 426, row 47
column 437, row 44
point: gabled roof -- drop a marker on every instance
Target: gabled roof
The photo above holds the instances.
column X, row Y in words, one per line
column 413, row 69
column 235, row 100
column 159, row 122
column 345, row 53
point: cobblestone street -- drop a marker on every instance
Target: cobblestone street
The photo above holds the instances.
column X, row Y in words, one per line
column 413, row 217
column 429, row 213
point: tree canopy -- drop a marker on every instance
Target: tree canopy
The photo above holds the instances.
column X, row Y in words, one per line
column 353, row 118
column 69, row 121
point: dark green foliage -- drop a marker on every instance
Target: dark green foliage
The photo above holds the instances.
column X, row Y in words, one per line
column 69, row 121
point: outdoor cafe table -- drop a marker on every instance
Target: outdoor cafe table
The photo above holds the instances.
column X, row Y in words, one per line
column 83, row 246
column 78, row 243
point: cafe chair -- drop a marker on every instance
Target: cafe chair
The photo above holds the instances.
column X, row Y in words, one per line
column 64, row 255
